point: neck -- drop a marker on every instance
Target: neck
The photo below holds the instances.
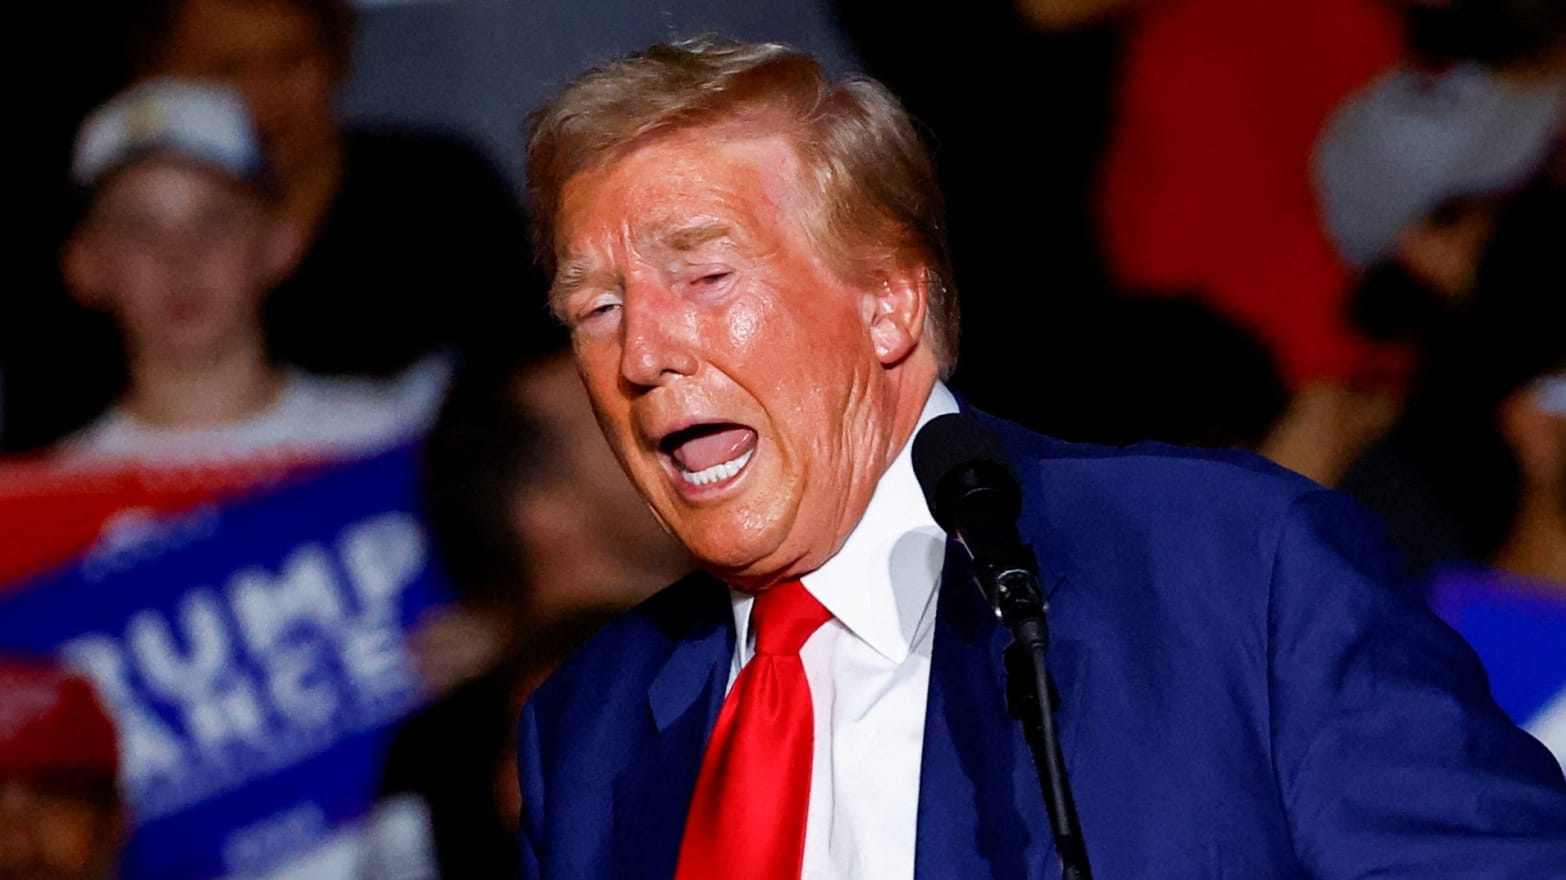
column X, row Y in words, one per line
column 1536, row 547
column 216, row 388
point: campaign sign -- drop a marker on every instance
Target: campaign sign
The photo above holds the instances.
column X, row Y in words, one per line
column 252, row 654
column 52, row 508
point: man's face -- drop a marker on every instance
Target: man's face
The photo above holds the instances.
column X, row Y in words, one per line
column 180, row 255
column 273, row 52
column 735, row 374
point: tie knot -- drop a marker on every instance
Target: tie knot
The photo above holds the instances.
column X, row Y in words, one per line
column 784, row 617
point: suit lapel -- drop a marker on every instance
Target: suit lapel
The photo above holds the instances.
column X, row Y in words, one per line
column 653, row 792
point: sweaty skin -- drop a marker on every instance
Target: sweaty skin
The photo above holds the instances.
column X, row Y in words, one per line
column 753, row 395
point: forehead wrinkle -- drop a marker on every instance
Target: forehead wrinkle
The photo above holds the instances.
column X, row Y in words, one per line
column 578, row 267
column 678, row 237
column 569, row 278
column 654, row 220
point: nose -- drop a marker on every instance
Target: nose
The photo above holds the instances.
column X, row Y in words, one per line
column 179, row 249
column 657, row 336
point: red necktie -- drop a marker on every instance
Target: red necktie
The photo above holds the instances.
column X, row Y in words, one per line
column 747, row 820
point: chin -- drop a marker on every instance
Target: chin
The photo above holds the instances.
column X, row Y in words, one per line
column 722, row 558
column 728, row 555
column 742, row 537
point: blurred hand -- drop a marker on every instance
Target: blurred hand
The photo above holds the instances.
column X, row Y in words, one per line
column 456, row 644
column 1326, row 427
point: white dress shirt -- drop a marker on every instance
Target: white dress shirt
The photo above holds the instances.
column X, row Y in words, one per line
column 869, row 675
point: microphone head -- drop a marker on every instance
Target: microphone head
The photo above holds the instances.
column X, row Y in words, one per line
column 958, row 461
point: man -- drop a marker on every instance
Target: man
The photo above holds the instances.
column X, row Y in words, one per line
column 750, row 259
column 179, row 241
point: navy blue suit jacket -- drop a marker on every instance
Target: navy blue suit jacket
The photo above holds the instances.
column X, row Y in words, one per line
column 1246, row 693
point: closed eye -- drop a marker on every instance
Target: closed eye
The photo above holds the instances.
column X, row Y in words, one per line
column 601, row 310
column 710, row 284
column 594, row 312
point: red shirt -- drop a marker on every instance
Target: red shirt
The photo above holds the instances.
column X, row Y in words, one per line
column 1207, row 185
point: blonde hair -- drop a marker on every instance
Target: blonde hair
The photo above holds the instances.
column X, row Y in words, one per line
column 874, row 181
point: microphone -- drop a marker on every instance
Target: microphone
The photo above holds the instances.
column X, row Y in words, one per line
column 973, row 495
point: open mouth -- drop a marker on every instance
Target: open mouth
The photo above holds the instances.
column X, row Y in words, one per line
column 709, row 454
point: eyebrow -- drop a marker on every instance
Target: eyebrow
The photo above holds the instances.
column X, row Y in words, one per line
column 570, row 276
column 690, row 238
column 573, row 274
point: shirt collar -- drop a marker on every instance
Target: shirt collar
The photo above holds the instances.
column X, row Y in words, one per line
column 880, row 583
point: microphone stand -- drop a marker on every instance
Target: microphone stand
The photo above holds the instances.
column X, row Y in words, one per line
column 1014, row 593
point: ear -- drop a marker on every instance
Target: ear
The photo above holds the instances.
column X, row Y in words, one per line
column 282, row 250
column 898, row 300
column 83, row 270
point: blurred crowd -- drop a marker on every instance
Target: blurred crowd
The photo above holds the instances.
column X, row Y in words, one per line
column 1327, row 232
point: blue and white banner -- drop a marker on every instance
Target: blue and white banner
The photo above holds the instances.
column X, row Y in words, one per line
column 254, row 659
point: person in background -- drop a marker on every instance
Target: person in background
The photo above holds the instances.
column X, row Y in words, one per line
column 588, row 537
column 545, row 541
column 1472, row 478
column 1171, row 369
column 179, row 240
column 1512, row 609
column 533, row 518
column 61, row 815
column 412, row 242
column 1412, row 170
column 1439, row 478
column 1205, row 187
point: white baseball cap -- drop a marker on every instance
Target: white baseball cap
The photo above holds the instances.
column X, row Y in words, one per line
column 200, row 121
column 1411, row 141
column 1549, row 394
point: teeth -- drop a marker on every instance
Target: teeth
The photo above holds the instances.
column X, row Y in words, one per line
column 717, row 472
